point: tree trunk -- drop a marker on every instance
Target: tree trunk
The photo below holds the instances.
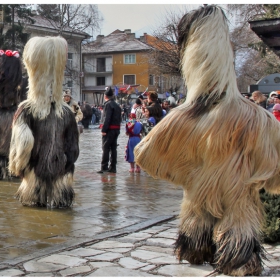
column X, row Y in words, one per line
column 13, row 27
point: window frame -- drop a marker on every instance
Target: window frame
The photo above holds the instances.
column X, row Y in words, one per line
column 101, row 67
column 151, row 78
column 129, row 60
column 127, row 82
column 70, row 61
column 100, row 78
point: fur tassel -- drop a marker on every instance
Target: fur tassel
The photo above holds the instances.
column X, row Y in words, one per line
column 36, row 192
column 21, row 146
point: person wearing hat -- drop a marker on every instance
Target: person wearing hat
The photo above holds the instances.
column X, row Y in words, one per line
column 67, row 97
column 172, row 100
column 276, row 111
column 269, row 104
column 277, row 99
column 273, row 94
column 110, row 131
column 137, row 108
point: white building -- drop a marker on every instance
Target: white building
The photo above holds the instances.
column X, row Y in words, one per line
column 73, row 71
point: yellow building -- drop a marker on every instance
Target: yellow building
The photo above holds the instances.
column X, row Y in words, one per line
column 118, row 60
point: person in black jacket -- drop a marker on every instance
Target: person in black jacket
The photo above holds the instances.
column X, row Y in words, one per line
column 110, row 132
column 87, row 114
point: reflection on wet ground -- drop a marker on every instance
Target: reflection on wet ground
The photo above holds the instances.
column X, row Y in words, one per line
column 103, row 202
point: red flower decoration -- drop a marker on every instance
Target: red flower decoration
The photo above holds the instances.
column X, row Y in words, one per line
column 8, row 53
column 1, row 52
column 15, row 53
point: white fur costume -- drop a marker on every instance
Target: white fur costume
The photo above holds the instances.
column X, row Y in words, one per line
column 220, row 147
column 44, row 143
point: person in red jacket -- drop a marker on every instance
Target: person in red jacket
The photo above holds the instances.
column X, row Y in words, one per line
column 276, row 111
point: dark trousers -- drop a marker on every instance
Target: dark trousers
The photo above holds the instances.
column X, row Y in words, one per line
column 86, row 122
column 109, row 147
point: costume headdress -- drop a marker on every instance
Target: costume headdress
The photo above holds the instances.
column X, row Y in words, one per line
column 45, row 60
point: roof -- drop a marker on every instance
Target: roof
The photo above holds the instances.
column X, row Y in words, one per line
column 268, row 30
column 159, row 44
column 117, row 41
column 44, row 23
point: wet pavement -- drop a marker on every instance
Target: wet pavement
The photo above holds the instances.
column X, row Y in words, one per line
column 121, row 224
column 102, row 203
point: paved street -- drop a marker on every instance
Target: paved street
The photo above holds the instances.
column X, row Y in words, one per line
column 120, row 225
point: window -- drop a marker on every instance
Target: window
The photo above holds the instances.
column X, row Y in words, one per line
column 129, row 79
column 69, row 83
column 69, row 61
column 151, row 80
column 100, row 64
column 129, row 59
column 100, row 81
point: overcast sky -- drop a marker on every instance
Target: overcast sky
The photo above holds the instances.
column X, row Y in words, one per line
column 139, row 18
column 138, row 15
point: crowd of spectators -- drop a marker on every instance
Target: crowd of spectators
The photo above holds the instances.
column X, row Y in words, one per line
column 269, row 102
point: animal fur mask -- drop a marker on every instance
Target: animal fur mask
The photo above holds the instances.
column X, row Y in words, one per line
column 207, row 60
column 45, row 60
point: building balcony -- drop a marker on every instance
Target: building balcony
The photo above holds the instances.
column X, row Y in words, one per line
column 87, row 71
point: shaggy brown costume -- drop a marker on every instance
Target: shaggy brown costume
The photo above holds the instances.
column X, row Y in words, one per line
column 220, row 147
column 10, row 88
column 44, row 145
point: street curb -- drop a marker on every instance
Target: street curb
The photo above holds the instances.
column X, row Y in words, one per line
column 72, row 244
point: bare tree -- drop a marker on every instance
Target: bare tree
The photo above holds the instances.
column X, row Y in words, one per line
column 71, row 18
column 254, row 59
column 75, row 17
column 14, row 17
column 165, row 56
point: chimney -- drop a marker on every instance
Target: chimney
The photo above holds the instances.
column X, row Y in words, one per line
column 99, row 38
column 130, row 36
column 143, row 39
column 127, row 31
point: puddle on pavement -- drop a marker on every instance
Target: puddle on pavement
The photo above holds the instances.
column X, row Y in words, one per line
column 103, row 203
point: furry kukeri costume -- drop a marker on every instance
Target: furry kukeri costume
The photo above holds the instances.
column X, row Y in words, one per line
column 220, row 147
column 44, row 145
column 10, row 87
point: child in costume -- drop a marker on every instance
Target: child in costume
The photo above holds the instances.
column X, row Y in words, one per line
column 44, row 144
column 10, row 96
column 133, row 129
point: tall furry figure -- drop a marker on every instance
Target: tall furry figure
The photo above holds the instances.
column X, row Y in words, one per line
column 10, row 88
column 44, row 145
column 220, row 147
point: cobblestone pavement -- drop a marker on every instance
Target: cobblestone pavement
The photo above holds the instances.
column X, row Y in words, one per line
column 137, row 253
column 120, row 225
